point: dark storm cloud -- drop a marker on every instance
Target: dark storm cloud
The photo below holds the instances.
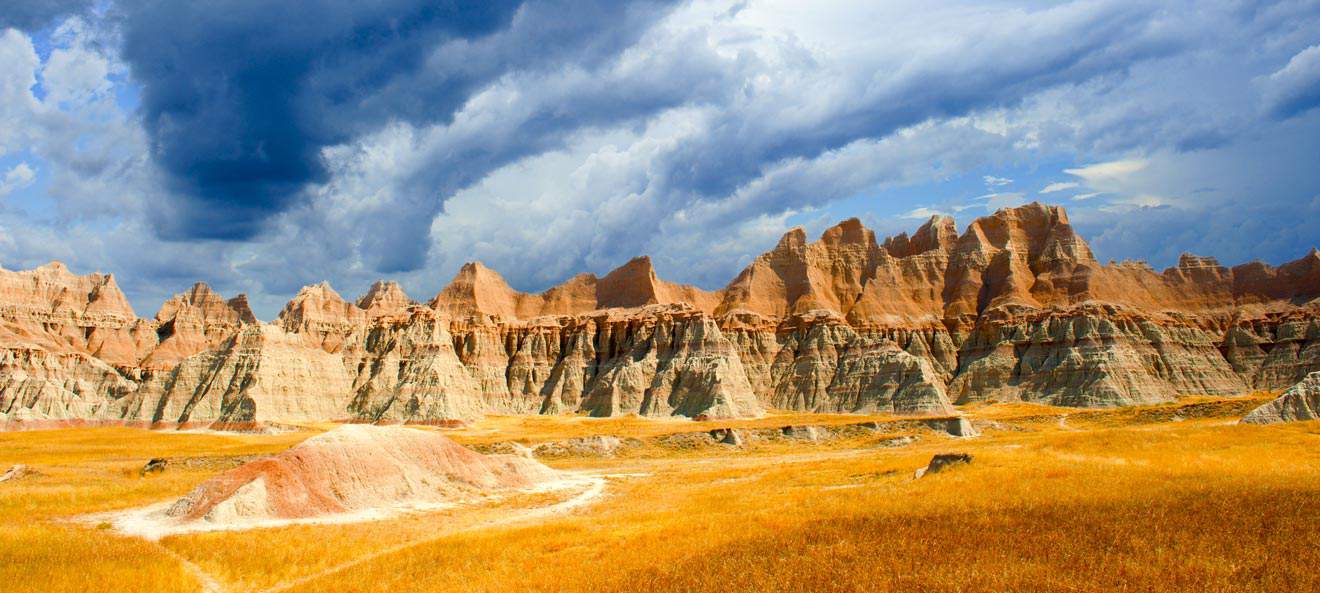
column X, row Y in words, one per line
column 240, row 97
column 34, row 14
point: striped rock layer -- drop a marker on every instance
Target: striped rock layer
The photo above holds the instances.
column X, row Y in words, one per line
column 1013, row 308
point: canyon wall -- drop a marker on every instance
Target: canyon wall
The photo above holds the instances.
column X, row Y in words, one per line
column 1015, row 308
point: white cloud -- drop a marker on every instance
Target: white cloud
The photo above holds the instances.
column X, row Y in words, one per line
column 77, row 73
column 997, row 201
column 1144, row 200
column 992, row 181
column 1108, row 174
column 1087, row 196
column 1059, row 186
column 17, row 178
column 923, row 213
column 1295, row 88
column 18, row 66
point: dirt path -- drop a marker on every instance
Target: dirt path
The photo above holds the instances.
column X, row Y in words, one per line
column 208, row 583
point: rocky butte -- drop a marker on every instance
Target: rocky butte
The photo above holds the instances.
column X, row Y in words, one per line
column 1013, row 308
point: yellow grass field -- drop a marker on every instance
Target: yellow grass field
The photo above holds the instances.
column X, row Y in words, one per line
column 1168, row 498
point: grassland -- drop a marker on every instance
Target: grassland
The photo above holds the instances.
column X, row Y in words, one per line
column 1169, row 498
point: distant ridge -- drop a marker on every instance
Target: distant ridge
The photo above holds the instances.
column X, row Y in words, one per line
column 1015, row 307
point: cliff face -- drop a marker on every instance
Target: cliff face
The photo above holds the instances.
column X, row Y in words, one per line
column 1089, row 355
column 1015, row 308
column 261, row 374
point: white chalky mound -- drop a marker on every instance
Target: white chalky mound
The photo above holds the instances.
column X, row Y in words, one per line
column 1299, row 403
column 355, row 469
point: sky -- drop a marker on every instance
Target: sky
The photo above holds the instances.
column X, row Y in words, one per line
column 261, row 147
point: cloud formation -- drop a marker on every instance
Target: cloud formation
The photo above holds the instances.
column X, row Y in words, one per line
column 16, row 178
column 240, row 105
column 1295, row 88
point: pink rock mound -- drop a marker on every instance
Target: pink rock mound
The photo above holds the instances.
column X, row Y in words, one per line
column 355, row 468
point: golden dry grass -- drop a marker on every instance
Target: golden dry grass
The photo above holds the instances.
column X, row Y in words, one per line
column 533, row 429
column 1112, row 500
column 94, row 470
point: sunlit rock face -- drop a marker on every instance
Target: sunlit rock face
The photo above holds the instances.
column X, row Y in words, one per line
column 1089, row 355
column 1299, row 403
column 1013, row 308
column 195, row 321
column 260, row 375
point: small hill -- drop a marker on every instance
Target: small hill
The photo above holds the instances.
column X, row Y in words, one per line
column 354, row 469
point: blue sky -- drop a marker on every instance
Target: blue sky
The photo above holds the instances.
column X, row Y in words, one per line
column 169, row 142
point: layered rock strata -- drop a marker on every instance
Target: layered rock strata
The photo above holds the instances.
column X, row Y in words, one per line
column 1014, row 308
column 1299, row 403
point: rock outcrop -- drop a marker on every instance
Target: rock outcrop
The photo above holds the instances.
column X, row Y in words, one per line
column 665, row 360
column 478, row 290
column 58, row 311
column 409, row 371
column 193, row 322
column 1300, row 402
column 353, row 469
column 258, row 376
column 1014, row 308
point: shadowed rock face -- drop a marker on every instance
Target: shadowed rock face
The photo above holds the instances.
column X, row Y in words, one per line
column 1015, row 308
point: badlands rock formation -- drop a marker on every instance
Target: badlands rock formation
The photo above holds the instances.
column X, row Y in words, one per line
column 354, row 469
column 1014, row 308
column 1301, row 402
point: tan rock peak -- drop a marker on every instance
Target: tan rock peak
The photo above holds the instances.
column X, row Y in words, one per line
column 208, row 305
column 793, row 240
column 477, row 289
column 635, row 284
column 107, row 298
column 573, row 297
column 383, row 298
column 53, row 267
column 1025, row 256
column 318, row 303
column 193, row 321
column 848, row 232
column 240, row 304
column 795, row 276
column 53, row 288
column 846, row 272
column 1034, row 231
column 1188, row 261
column 938, row 234
column 1199, row 270
column 1308, row 264
column 1297, row 280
